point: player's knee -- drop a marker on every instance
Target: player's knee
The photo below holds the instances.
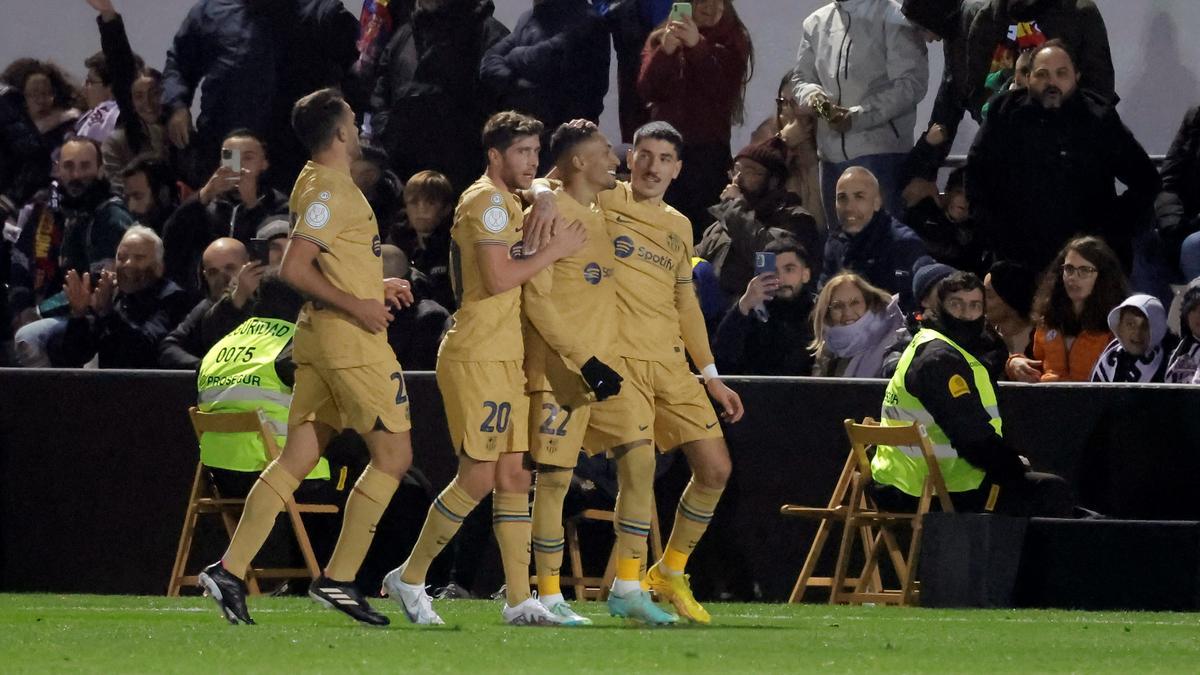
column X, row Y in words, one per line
column 713, row 474
column 636, row 469
column 512, row 477
column 299, row 463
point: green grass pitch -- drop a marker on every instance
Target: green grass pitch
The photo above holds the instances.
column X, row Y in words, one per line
column 121, row 634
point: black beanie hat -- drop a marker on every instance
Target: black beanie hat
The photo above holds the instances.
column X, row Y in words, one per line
column 1015, row 284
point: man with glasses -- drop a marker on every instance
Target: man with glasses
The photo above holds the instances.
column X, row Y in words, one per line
column 942, row 384
column 755, row 201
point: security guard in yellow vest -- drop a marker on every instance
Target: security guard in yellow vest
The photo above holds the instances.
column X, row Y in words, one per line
column 941, row 384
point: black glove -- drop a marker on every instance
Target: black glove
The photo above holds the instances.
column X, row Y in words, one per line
column 604, row 381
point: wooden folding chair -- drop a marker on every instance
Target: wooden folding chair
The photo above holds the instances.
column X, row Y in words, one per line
column 593, row 587
column 204, row 499
column 852, row 506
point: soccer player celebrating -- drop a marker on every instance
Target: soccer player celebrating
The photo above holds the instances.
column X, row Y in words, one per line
column 660, row 399
column 569, row 342
column 347, row 376
column 481, row 375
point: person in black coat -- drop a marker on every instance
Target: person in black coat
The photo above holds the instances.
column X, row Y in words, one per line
column 767, row 331
column 870, row 242
column 1177, row 208
column 428, row 106
column 255, row 58
column 553, row 66
column 24, row 162
column 1043, row 168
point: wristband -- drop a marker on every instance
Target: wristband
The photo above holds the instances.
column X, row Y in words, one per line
column 709, row 372
column 539, row 189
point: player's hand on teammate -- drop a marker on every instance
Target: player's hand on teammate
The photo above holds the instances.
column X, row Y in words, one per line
column 728, row 399
column 373, row 315
column 538, row 226
column 398, row 293
column 568, row 238
column 602, row 379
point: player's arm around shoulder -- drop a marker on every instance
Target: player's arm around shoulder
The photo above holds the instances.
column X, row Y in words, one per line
column 494, row 231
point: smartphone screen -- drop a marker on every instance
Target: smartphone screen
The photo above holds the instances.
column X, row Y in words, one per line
column 680, row 10
column 232, row 158
column 764, row 263
column 260, row 250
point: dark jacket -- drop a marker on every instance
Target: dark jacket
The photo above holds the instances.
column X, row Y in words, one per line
column 958, row 245
column 742, row 229
column 883, row 253
column 990, row 350
column 204, row 326
column 1037, row 177
column 1177, row 208
column 122, row 68
column 743, row 345
column 194, row 226
column 24, row 161
column 128, row 336
column 256, row 59
column 630, row 23
column 554, row 65
column 962, row 417
column 428, row 105
column 415, row 333
column 431, row 257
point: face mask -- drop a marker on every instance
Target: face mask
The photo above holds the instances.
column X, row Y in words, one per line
column 963, row 332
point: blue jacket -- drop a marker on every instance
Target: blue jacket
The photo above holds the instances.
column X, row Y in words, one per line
column 883, row 253
column 554, row 65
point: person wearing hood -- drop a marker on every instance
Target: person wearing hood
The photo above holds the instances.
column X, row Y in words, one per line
column 871, row 242
column 695, row 69
column 863, row 68
column 428, row 104
column 754, row 203
column 1142, row 348
column 1062, row 149
column 941, row 384
column 1183, row 367
column 854, row 326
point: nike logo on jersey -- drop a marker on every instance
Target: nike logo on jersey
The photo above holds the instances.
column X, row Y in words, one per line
column 709, row 426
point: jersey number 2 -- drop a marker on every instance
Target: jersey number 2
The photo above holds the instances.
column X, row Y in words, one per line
column 552, row 411
column 401, row 394
column 497, row 419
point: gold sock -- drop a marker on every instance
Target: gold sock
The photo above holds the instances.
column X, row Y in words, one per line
column 512, row 526
column 271, row 491
column 445, row 517
column 635, row 501
column 364, row 507
column 694, row 513
column 549, row 492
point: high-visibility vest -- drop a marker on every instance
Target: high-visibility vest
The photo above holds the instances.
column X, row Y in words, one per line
column 904, row 468
column 238, row 375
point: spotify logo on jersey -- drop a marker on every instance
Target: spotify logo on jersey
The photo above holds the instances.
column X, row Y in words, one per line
column 592, row 273
column 623, row 246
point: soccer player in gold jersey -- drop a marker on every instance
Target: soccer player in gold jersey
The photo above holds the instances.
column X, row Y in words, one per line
column 481, row 375
column 347, row 376
column 660, row 401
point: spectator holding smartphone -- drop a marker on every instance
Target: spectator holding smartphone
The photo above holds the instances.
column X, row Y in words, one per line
column 694, row 73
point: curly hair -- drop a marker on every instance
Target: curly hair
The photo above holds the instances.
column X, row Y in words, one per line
column 66, row 94
column 1052, row 305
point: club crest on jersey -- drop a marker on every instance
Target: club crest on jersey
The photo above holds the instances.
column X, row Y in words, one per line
column 316, row 215
column 497, row 199
column 324, row 196
column 376, row 247
column 495, row 219
column 675, row 243
column 592, row 273
column 623, row 246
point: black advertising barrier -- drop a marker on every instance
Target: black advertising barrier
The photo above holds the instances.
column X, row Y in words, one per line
column 96, row 467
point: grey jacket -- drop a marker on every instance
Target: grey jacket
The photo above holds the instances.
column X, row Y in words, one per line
column 867, row 57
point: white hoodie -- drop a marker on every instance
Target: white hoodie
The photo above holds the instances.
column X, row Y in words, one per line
column 865, row 56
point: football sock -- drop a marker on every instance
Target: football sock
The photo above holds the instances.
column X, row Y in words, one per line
column 445, row 516
column 635, row 501
column 512, row 525
column 271, row 491
column 549, row 492
column 694, row 513
column 364, row 507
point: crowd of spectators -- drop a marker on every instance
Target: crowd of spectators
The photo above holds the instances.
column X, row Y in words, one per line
column 136, row 237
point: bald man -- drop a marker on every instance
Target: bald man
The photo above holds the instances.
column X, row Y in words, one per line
column 869, row 242
column 223, row 261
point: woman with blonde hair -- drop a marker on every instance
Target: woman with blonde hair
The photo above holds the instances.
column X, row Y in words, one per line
column 854, row 325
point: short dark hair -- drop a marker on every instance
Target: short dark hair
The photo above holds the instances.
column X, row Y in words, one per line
column 661, row 131
column 377, row 156
column 315, row 118
column 159, row 176
column 246, row 132
column 958, row 282
column 1056, row 43
column 786, row 243
column 99, row 63
column 957, row 180
column 504, row 128
column 566, row 137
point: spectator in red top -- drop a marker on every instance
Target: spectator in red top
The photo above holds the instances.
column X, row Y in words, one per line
column 694, row 75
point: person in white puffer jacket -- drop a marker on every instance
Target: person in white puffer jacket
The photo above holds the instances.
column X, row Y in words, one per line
column 863, row 68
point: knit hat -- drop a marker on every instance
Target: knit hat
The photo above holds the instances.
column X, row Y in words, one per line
column 928, row 276
column 275, row 227
column 770, row 153
column 1015, row 284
